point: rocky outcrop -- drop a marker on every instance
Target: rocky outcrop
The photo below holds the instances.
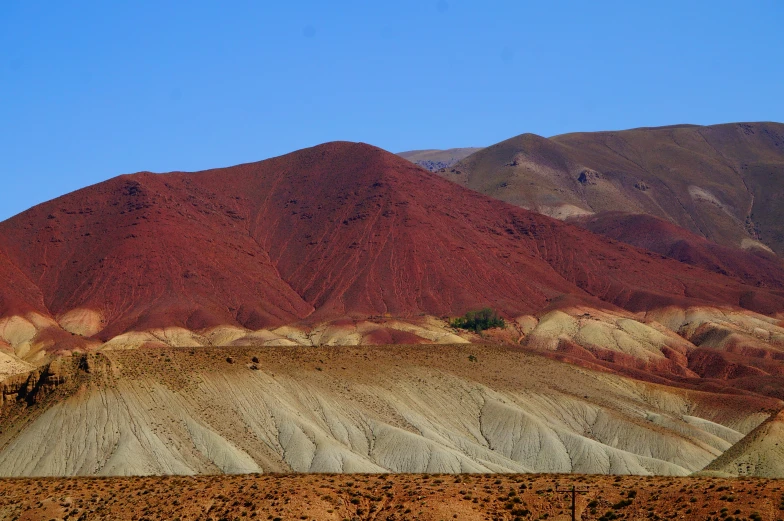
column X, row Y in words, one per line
column 29, row 388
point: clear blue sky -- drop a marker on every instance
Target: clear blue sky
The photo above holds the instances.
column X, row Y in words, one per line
column 90, row 90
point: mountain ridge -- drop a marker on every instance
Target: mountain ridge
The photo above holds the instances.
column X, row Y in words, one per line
column 719, row 181
column 331, row 231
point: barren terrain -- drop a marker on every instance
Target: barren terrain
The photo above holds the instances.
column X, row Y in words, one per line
column 434, row 409
column 202, row 323
column 390, row 497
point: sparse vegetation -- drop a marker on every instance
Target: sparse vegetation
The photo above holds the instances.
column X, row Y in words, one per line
column 400, row 496
column 477, row 321
column 622, row 504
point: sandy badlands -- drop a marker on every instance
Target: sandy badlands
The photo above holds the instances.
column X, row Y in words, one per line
column 434, row 409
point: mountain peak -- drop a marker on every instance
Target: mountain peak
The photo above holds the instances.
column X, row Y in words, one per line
column 340, row 229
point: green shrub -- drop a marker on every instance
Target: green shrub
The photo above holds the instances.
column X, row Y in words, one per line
column 622, row 504
column 478, row 320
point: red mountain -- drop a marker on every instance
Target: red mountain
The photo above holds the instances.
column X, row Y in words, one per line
column 18, row 294
column 341, row 229
column 756, row 267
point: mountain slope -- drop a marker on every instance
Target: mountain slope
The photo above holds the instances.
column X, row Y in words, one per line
column 760, row 453
column 26, row 326
column 19, row 294
column 756, row 268
column 181, row 411
column 723, row 182
column 342, row 229
column 147, row 251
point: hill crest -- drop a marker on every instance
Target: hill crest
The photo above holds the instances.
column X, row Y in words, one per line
column 721, row 182
column 338, row 230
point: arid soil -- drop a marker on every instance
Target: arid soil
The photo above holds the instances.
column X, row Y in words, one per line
column 390, row 497
column 756, row 267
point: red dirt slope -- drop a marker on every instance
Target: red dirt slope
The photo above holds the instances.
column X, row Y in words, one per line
column 645, row 231
column 18, row 294
column 149, row 251
column 339, row 229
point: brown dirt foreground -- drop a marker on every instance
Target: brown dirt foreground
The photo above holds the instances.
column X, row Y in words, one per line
column 390, row 497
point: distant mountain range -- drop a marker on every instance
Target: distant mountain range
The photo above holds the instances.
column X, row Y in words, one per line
column 437, row 159
column 723, row 182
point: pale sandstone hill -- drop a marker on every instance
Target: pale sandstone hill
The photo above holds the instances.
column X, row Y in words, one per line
column 369, row 409
column 11, row 365
column 760, row 453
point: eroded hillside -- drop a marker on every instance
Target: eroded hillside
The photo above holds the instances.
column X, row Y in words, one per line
column 448, row 409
